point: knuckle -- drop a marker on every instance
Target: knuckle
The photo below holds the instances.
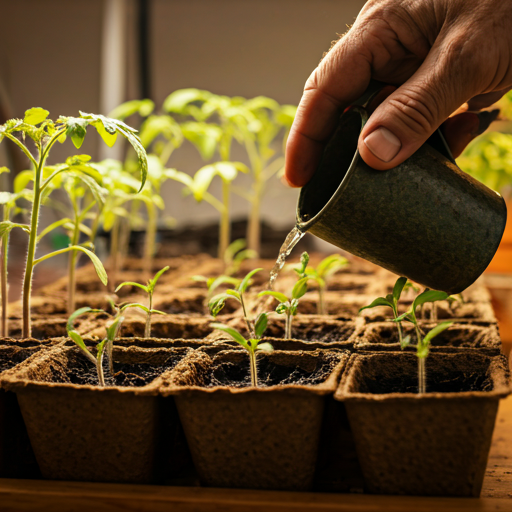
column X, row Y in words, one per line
column 417, row 110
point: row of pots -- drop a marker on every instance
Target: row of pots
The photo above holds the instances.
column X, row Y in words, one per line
column 289, row 433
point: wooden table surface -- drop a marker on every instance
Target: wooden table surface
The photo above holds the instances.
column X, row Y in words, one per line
column 51, row 496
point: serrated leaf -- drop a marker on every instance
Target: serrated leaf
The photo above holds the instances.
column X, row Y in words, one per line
column 245, row 281
column 232, row 332
column 35, row 115
column 380, row 301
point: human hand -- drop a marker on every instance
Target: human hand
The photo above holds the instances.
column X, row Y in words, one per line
column 442, row 56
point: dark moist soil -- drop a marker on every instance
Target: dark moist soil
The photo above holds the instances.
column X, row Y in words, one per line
column 237, row 375
column 324, row 333
column 8, row 361
column 126, row 375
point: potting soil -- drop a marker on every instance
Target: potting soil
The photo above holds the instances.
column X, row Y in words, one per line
column 126, row 375
column 237, row 374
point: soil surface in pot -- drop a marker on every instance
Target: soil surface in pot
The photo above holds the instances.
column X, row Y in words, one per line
column 129, row 375
column 51, row 327
column 441, row 378
column 457, row 335
column 235, row 371
column 187, row 300
column 11, row 356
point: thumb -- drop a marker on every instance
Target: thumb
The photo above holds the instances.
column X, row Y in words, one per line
column 408, row 116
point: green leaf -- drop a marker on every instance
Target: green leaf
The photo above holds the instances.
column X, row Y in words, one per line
column 179, row 100
column 264, row 347
column 78, row 340
column 216, row 304
column 153, row 281
column 281, row 297
column 215, row 283
column 22, row 180
column 245, row 281
column 282, row 308
column 380, row 301
column 397, row 289
column 232, row 332
column 439, row 328
column 108, row 138
column 331, row 264
column 128, row 108
column 75, row 315
column 235, row 294
column 35, row 115
column 4, row 170
column 98, row 266
column 131, row 283
column 112, row 330
column 76, row 128
column 428, row 296
column 260, row 325
column 134, row 305
column 300, row 288
column 7, row 226
column 204, row 136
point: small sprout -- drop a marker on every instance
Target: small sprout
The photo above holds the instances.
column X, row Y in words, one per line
column 107, row 342
column 217, row 302
column 235, row 254
column 253, row 345
column 149, row 289
column 423, row 343
column 391, row 300
column 288, row 305
column 321, row 274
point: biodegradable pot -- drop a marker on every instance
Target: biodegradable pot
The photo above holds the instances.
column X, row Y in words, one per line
column 316, row 330
column 164, row 327
column 259, row 438
column 16, row 455
column 424, row 219
column 430, row 444
column 384, row 336
column 84, row 432
column 45, row 328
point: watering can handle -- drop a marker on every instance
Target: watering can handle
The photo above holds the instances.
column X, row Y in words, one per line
column 436, row 140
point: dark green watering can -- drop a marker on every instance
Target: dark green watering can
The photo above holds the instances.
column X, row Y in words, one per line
column 424, row 219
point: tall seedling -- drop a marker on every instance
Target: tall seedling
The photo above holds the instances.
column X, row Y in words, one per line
column 45, row 133
column 423, row 342
column 8, row 202
column 252, row 345
column 198, row 187
column 254, row 124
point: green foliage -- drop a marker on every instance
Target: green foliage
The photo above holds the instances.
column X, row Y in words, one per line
column 235, row 254
column 252, row 345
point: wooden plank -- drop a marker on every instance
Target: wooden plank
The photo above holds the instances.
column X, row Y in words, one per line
column 52, row 496
column 38, row 496
column 498, row 476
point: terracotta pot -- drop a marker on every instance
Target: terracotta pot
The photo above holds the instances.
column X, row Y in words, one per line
column 16, row 455
column 430, row 444
column 260, row 438
column 384, row 336
column 84, row 432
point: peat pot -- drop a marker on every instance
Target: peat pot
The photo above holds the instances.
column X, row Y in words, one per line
column 16, row 456
column 257, row 438
column 424, row 219
column 83, row 432
column 435, row 443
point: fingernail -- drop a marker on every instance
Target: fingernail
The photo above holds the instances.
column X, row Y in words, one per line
column 383, row 144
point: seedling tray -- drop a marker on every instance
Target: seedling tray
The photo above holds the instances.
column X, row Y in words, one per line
column 25, row 495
